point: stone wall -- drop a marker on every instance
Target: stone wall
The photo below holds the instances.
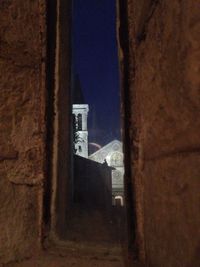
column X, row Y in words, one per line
column 22, row 130
column 164, row 78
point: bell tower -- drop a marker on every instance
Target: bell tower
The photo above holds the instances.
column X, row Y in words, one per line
column 80, row 113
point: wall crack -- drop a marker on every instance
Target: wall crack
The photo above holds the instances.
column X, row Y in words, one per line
column 142, row 32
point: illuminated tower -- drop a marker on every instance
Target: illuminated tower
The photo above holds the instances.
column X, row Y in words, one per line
column 80, row 113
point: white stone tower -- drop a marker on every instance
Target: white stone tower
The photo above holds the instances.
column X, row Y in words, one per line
column 80, row 113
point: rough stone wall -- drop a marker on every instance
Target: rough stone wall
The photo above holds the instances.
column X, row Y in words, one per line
column 22, row 128
column 165, row 82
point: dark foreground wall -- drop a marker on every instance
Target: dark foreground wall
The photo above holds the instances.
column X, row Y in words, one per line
column 165, row 83
column 22, row 128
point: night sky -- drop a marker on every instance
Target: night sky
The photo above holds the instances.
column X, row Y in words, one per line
column 95, row 60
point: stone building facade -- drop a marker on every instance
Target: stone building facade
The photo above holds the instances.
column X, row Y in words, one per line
column 159, row 52
column 112, row 154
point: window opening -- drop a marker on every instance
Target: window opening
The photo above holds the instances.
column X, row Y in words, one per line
column 95, row 211
column 119, row 201
column 79, row 122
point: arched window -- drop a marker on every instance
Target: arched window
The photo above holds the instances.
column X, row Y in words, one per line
column 79, row 122
column 119, row 201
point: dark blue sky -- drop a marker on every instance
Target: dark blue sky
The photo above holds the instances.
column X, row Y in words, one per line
column 95, row 60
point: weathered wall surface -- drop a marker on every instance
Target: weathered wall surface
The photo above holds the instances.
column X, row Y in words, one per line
column 22, row 127
column 165, row 83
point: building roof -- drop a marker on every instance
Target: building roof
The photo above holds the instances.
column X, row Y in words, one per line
column 88, row 162
column 106, row 151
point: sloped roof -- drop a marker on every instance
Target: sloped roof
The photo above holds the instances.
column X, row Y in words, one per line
column 101, row 154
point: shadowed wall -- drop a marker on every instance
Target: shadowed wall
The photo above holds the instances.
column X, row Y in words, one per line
column 164, row 76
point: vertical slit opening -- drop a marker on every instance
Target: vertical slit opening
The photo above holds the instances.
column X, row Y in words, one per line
column 89, row 195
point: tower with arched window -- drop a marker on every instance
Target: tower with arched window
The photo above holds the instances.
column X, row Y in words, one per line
column 80, row 113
